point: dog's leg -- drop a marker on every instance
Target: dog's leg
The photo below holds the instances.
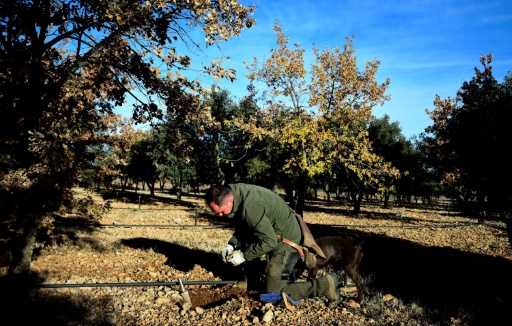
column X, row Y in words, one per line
column 352, row 270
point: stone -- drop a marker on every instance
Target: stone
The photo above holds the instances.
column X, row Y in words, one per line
column 267, row 317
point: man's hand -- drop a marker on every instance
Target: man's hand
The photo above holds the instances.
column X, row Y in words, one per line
column 236, row 258
column 226, row 252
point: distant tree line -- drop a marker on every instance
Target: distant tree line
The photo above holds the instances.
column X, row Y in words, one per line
column 462, row 156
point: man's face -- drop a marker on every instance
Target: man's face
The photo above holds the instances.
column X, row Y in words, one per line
column 224, row 209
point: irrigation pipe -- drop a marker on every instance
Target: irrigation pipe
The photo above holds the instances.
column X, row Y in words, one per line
column 153, row 209
column 407, row 227
column 342, row 225
column 46, row 286
column 163, row 226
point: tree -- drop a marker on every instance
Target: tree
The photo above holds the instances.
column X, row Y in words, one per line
column 256, row 165
column 121, row 136
column 143, row 163
column 65, row 64
column 174, row 144
column 344, row 97
column 469, row 143
column 290, row 124
column 388, row 142
column 424, row 176
column 226, row 148
column 110, row 153
column 322, row 127
column 217, row 137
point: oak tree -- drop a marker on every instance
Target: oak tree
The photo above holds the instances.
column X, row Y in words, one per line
column 290, row 121
column 345, row 97
column 321, row 125
column 64, row 64
column 468, row 143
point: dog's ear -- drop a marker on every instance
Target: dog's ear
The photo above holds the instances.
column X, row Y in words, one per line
column 308, row 239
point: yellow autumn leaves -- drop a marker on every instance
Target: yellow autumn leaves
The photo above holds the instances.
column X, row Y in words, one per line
column 323, row 122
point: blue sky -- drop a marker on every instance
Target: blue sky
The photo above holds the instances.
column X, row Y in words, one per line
column 425, row 47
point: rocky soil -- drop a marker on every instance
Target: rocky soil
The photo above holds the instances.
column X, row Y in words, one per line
column 422, row 266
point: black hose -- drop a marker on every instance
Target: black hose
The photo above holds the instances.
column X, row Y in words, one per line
column 405, row 227
column 46, row 286
column 161, row 226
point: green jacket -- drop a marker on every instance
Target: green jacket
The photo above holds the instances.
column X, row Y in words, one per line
column 259, row 215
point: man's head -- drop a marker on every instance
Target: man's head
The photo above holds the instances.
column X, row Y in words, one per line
column 220, row 199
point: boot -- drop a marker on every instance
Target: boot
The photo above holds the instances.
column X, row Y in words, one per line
column 316, row 287
column 332, row 293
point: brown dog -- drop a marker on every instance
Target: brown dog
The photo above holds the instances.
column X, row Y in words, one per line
column 341, row 252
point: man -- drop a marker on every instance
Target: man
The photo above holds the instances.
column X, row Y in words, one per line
column 260, row 216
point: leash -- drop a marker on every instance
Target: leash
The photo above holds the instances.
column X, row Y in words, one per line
column 299, row 249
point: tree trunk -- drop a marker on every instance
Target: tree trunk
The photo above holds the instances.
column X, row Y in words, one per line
column 508, row 221
column 178, row 193
column 301, row 195
column 356, row 205
column 21, row 252
column 288, row 189
column 124, row 182
column 327, row 193
column 387, row 194
column 151, row 188
column 356, row 196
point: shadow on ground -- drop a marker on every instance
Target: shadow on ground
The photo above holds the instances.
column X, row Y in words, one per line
column 21, row 305
column 184, row 259
column 443, row 279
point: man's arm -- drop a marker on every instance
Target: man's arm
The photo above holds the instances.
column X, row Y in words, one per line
column 267, row 240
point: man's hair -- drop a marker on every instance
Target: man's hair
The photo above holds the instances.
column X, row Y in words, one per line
column 217, row 194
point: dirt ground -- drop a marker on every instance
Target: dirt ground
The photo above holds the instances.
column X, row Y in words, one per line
column 421, row 265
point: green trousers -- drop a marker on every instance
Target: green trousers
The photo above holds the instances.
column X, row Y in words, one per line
column 279, row 266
